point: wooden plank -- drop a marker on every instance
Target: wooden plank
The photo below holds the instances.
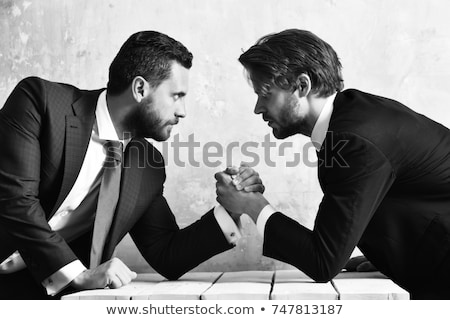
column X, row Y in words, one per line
column 241, row 285
column 367, row 286
column 188, row 287
column 295, row 285
column 247, row 276
column 141, row 283
column 122, row 293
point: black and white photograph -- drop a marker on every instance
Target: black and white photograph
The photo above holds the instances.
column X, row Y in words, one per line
column 211, row 157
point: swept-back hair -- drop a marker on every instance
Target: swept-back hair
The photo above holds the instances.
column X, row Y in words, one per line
column 148, row 54
column 278, row 59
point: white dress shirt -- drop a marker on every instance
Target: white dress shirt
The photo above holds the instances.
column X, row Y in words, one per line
column 64, row 217
column 317, row 137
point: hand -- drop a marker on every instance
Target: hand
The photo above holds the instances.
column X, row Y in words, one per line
column 359, row 264
column 236, row 201
column 113, row 274
column 245, row 178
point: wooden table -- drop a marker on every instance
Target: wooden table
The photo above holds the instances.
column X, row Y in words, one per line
column 251, row 285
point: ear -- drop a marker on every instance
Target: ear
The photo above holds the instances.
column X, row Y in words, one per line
column 139, row 88
column 303, row 85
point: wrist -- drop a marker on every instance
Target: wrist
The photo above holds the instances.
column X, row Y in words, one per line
column 255, row 207
column 79, row 281
column 236, row 217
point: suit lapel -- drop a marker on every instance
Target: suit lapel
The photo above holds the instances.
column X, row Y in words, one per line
column 77, row 135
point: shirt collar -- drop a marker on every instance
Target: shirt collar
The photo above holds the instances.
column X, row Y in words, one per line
column 322, row 124
column 105, row 126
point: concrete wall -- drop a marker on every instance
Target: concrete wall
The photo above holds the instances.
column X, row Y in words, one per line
column 399, row 49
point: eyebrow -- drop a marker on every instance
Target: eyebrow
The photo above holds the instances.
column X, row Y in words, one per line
column 263, row 93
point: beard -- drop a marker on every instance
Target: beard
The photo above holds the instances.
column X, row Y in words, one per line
column 288, row 123
column 145, row 122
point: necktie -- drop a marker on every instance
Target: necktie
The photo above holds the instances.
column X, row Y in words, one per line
column 107, row 199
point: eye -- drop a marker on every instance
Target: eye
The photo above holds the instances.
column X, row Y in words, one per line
column 264, row 96
column 178, row 96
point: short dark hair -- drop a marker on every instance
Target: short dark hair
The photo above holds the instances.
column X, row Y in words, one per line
column 278, row 59
column 148, row 54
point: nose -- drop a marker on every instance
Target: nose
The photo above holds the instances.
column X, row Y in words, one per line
column 180, row 111
column 259, row 107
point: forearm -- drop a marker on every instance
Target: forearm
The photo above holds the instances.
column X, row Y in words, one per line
column 288, row 241
column 173, row 252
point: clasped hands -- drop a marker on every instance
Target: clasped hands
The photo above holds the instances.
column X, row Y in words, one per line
column 239, row 190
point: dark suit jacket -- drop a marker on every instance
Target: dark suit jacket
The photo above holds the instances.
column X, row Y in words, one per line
column 45, row 128
column 385, row 174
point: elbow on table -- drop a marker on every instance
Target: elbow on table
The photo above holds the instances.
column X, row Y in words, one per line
column 171, row 275
column 324, row 276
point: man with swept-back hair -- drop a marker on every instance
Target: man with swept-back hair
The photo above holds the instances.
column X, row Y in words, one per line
column 69, row 194
column 383, row 168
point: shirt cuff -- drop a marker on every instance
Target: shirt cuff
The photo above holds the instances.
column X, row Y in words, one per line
column 264, row 215
column 61, row 278
column 226, row 223
column 12, row 264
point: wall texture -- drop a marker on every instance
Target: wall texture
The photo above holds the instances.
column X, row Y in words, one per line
column 397, row 49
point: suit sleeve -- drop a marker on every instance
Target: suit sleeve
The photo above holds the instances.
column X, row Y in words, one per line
column 21, row 214
column 172, row 251
column 355, row 178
